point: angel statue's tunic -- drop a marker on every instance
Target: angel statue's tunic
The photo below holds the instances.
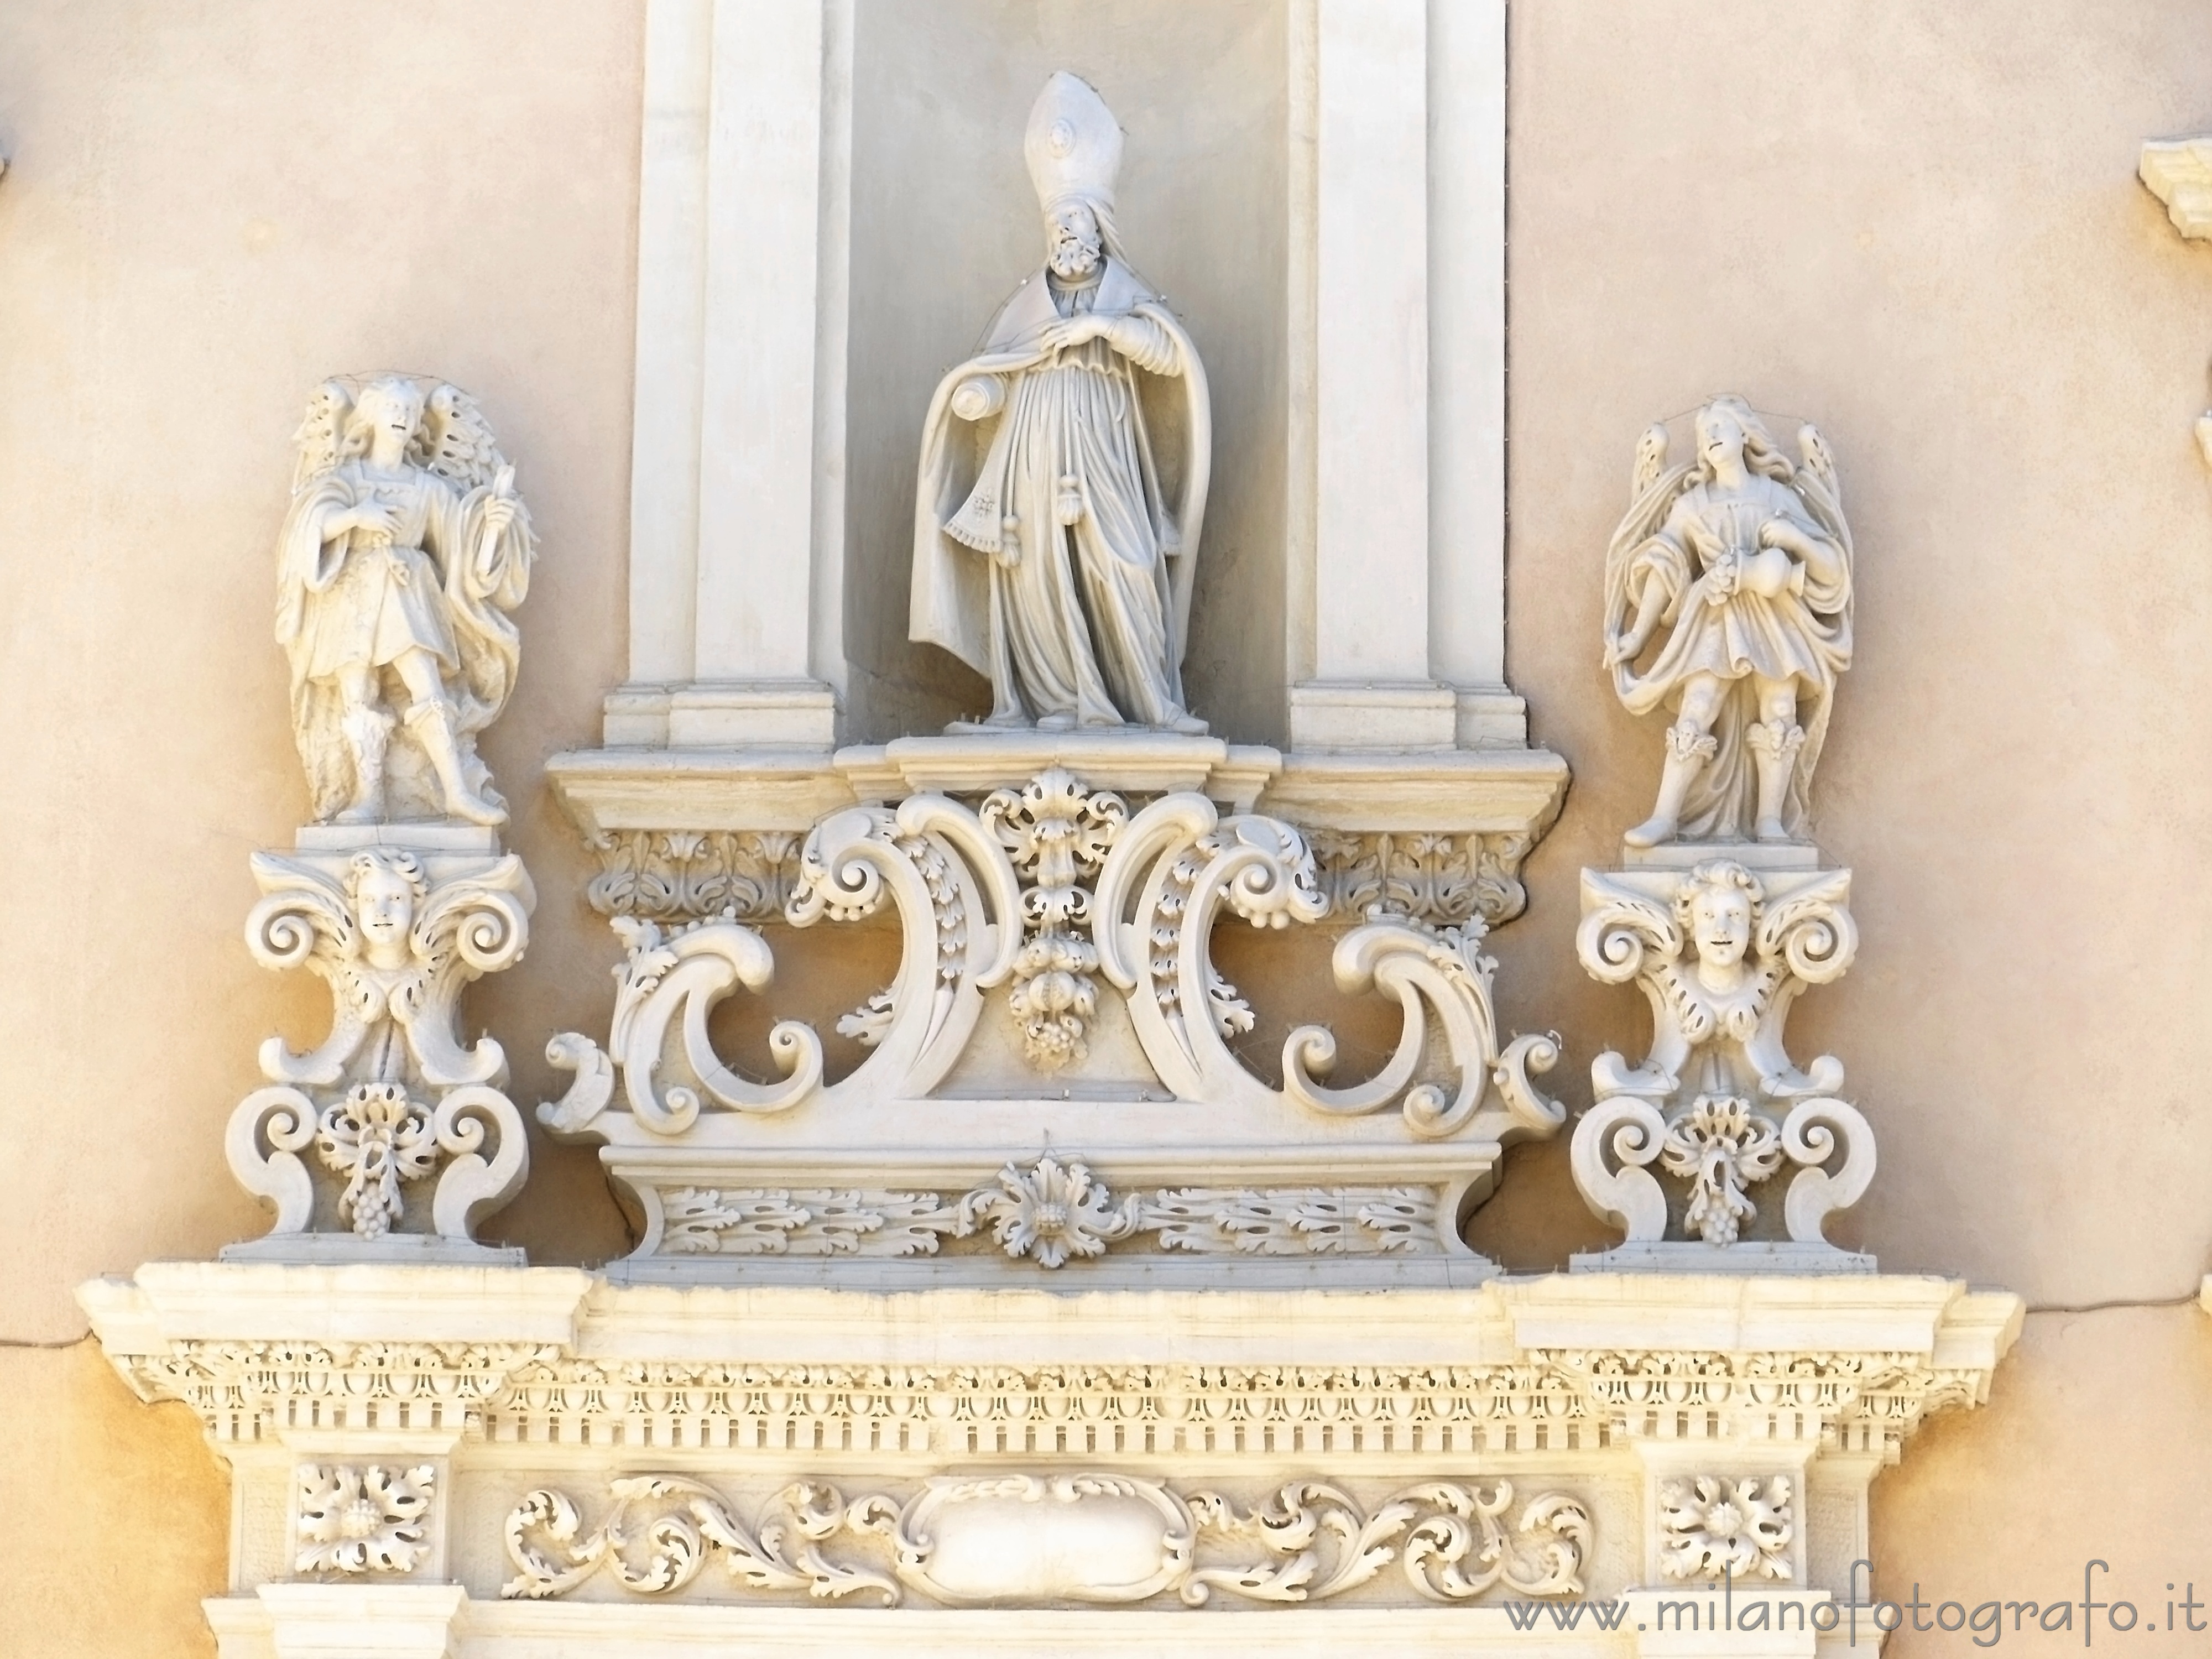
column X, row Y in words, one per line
column 1064, row 468
column 393, row 584
column 1745, row 559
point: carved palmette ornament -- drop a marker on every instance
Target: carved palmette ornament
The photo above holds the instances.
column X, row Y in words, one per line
column 1020, row 1539
column 391, row 1101
column 1066, row 896
column 1717, row 1103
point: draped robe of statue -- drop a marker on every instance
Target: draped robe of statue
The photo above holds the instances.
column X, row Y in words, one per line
column 355, row 601
column 1675, row 536
column 1054, row 535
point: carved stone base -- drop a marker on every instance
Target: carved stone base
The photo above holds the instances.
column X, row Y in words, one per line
column 1746, row 1257
column 335, row 1248
column 672, row 825
column 503, row 1463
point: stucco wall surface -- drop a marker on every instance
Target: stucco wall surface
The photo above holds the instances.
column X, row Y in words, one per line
column 1918, row 227
column 208, row 207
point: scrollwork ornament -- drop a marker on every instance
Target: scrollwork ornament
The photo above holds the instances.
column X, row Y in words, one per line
column 392, row 1094
column 1721, row 953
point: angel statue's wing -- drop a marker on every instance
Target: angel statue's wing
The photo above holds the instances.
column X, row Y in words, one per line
column 454, row 443
column 1651, row 461
column 318, row 434
column 1820, row 461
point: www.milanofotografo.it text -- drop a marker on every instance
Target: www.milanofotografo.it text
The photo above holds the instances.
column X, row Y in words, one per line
column 1724, row 1606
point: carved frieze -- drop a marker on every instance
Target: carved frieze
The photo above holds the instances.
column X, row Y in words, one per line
column 1047, row 1212
column 1025, row 1539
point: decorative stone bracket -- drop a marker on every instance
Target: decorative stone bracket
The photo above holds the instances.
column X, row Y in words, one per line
column 1720, row 954
column 345, row 1135
column 1073, row 914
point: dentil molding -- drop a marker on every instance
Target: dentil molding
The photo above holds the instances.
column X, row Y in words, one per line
column 484, row 1461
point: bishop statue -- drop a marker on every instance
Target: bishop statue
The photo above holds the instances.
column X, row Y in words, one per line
column 1064, row 467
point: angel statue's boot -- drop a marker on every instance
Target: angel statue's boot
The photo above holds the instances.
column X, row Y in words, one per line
column 432, row 723
column 1687, row 751
column 1774, row 749
column 367, row 731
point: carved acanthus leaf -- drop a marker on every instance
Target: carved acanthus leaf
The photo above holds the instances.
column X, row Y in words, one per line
column 1310, row 1542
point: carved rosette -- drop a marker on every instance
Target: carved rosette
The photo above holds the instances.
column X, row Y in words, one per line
column 1721, row 955
column 359, row 1519
column 1711, row 1527
column 393, row 1103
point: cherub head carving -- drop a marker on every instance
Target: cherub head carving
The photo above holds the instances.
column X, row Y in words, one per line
column 384, row 889
column 1717, row 910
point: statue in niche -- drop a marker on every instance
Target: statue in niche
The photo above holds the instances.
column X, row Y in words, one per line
column 1743, row 557
column 1064, row 467
column 404, row 548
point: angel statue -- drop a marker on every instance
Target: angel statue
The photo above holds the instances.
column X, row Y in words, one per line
column 1745, row 560
column 1064, row 466
column 404, row 550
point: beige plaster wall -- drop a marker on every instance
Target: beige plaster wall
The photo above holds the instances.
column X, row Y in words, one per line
column 210, row 207
column 946, row 224
column 1918, row 226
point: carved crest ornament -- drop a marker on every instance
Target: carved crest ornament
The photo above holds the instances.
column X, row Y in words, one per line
column 1057, row 1273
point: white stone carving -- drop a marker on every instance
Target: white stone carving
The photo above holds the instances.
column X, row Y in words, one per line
column 1058, row 835
column 362, row 1518
column 1440, row 879
column 690, row 875
column 1032, row 1540
column 1050, row 1212
column 1064, row 467
column 392, row 1092
column 776, row 1455
column 405, row 547
column 1736, row 564
column 1047, row 1213
column 682, row 1523
column 376, row 1137
column 2179, row 172
column 1711, row 1527
column 1055, row 897
column 1720, row 954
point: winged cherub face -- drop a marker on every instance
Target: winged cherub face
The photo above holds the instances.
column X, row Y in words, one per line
column 384, row 909
column 1720, row 923
column 1072, row 235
